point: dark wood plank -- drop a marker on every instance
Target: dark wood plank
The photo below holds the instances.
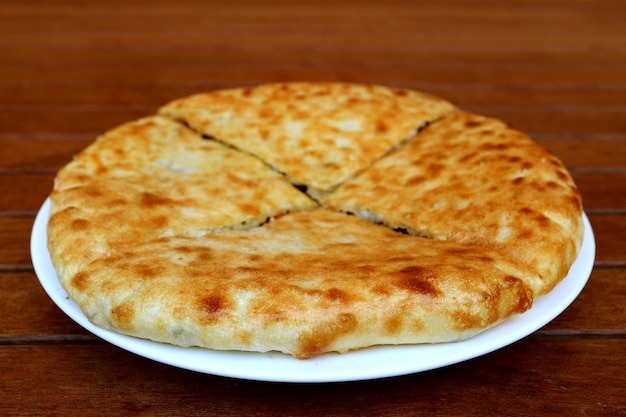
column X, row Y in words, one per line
column 599, row 306
column 602, row 190
column 483, row 17
column 493, row 15
column 288, row 71
column 15, row 241
column 24, row 193
column 593, row 153
column 41, row 153
column 610, row 236
column 537, row 376
column 408, row 36
column 149, row 94
column 32, row 312
column 85, row 120
column 59, row 122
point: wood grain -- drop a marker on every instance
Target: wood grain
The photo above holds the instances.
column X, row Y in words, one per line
column 536, row 376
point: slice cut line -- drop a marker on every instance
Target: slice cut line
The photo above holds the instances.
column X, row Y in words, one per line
column 471, row 179
column 318, row 134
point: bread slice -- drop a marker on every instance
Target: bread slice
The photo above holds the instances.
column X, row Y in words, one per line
column 153, row 178
column 305, row 284
column 318, row 134
column 471, row 179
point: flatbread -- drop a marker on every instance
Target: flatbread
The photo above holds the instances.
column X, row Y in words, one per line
column 304, row 284
column 191, row 227
column 318, row 134
column 155, row 177
column 471, row 179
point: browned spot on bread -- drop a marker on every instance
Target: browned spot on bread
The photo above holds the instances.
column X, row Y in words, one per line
column 417, row 280
column 147, row 271
column 79, row 224
column 148, row 199
column 381, row 126
column 203, row 254
column 525, row 234
column 400, row 93
column 485, row 258
column 250, row 270
column 266, row 112
column 92, row 191
column 562, row 175
column 393, row 323
column 473, row 123
column 80, row 281
column 318, row 339
column 401, row 259
column 123, row 315
column 237, row 180
column 434, row 169
column 336, row 295
column 381, row 290
column 526, row 296
column 365, row 270
column 417, row 179
column 464, row 320
column 183, row 249
column 101, row 169
column 542, row 220
column 495, row 146
column 468, row 156
column 576, row 201
column 250, row 209
column 158, row 222
column 212, row 308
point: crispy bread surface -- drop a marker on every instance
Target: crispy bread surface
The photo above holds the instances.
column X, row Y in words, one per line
column 471, row 179
column 316, row 133
column 305, row 284
column 190, row 227
column 152, row 178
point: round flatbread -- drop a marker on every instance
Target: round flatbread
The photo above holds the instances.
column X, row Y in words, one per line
column 309, row 218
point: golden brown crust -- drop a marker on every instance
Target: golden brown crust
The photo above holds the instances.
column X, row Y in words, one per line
column 152, row 178
column 471, row 179
column 316, row 133
column 304, row 284
column 160, row 233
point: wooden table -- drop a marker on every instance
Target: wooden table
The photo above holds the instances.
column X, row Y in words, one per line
column 554, row 69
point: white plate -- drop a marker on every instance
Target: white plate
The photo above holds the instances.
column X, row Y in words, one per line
column 377, row 362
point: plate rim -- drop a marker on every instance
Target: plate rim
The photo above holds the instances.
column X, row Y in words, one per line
column 362, row 364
